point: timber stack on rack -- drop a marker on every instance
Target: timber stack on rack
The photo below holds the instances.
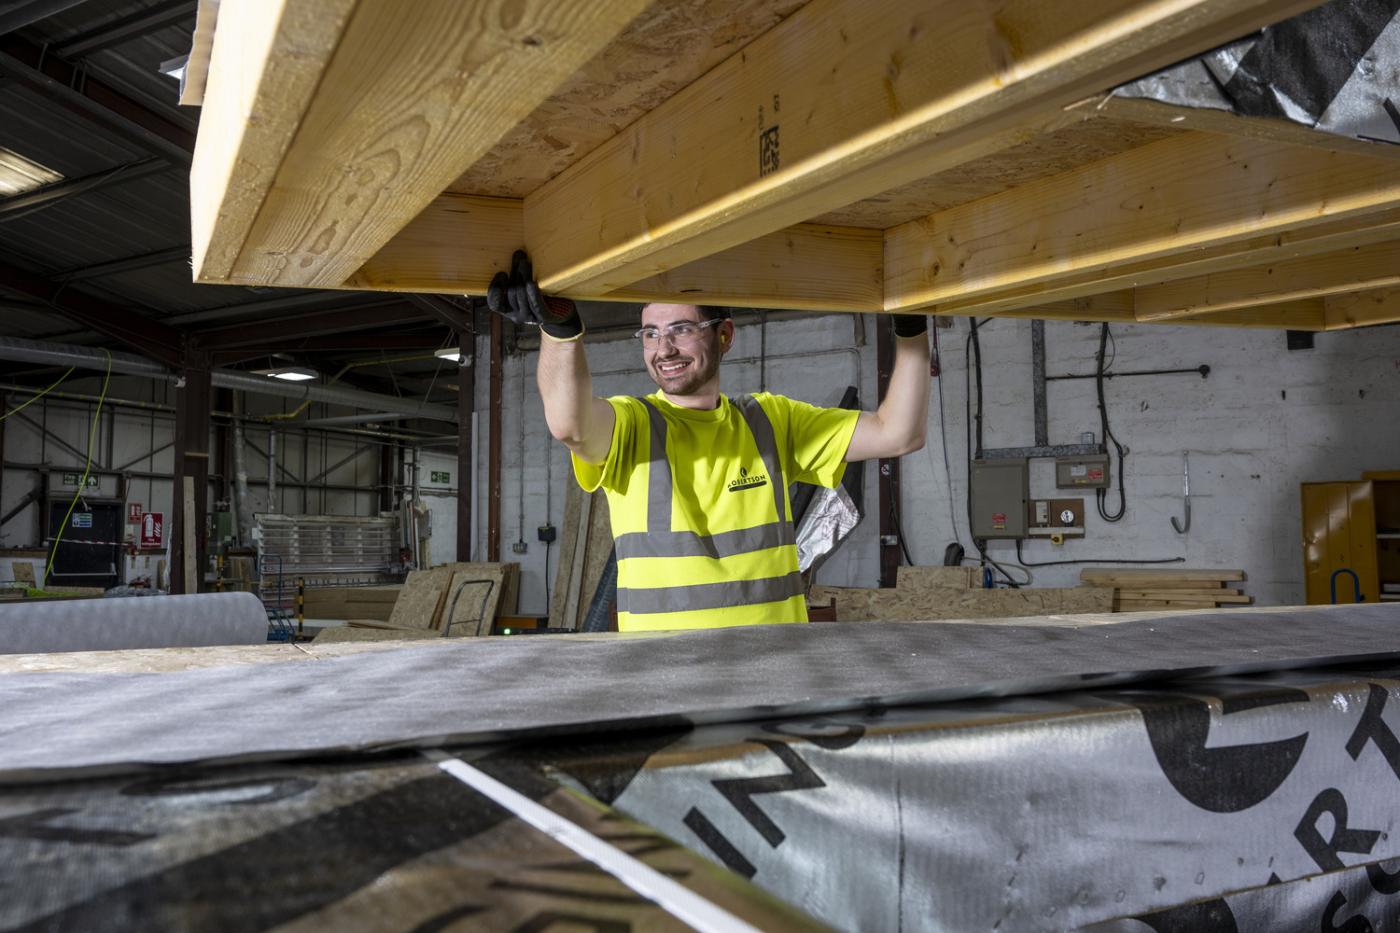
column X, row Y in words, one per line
column 1138, row 590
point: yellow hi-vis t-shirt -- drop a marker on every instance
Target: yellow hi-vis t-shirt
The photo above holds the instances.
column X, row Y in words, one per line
column 702, row 525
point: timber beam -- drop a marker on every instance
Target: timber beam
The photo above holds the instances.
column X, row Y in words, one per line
column 335, row 130
column 1361, row 268
column 1190, row 205
column 841, row 101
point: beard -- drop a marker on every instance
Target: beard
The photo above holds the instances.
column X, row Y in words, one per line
column 690, row 380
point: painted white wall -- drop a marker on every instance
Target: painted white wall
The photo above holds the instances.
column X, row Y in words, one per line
column 1264, row 421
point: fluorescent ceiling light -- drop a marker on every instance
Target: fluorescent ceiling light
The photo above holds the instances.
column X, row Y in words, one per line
column 18, row 174
column 289, row 373
column 452, row 353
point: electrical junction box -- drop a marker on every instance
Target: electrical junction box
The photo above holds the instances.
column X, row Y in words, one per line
column 999, row 490
column 1087, row 472
column 1050, row 517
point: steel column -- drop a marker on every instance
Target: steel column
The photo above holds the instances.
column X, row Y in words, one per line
column 493, row 441
column 889, row 467
column 466, row 459
column 192, row 405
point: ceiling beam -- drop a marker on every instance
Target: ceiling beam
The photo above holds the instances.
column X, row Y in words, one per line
column 52, row 194
column 841, row 101
column 1189, row 205
column 90, row 97
column 147, row 337
column 461, row 241
column 28, row 13
column 1357, row 269
column 291, row 328
column 127, row 264
column 1362, row 309
column 128, row 28
column 1155, row 113
column 355, row 137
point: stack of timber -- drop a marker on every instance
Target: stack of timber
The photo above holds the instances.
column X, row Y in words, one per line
column 370, row 603
column 451, row 600
column 584, row 550
column 933, row 594
column 1137, row 590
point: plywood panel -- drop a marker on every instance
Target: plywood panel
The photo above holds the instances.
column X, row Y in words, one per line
column 664, row 49
column 1038, row 157
column 947, row 603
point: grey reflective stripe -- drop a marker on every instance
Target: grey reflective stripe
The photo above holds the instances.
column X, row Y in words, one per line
column 686, row 544
column 710, row 595
column 762, row 430
column 659, row 493
column 660, row 541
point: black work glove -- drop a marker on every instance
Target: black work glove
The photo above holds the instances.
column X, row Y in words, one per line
column 909, row 325
column 517, row 297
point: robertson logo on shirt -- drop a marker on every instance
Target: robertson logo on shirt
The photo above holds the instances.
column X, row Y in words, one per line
column 745, row 481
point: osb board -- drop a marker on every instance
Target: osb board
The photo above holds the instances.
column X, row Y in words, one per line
column 948, row 603
column 597, row 547
column 421, row 598
column 1039, row 157
column 474, row 597
column 662, row 51
column 936, row 576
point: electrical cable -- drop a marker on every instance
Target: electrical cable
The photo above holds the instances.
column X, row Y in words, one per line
column 947, row 468
column 1101, row 560
column 87, row 468
column 1101, row 495
column 36, row 398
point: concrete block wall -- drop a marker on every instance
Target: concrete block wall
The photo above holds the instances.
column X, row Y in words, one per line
column 1264, row 421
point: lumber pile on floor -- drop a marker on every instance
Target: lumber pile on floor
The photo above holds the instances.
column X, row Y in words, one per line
column 931, row 594
column 1137, row 590
column 452, row 600
column 373, row 603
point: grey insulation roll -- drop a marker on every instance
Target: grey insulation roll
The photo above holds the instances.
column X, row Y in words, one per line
column 34, row 627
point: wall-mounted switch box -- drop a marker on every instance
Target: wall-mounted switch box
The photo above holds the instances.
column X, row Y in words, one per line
column 1056, row 517
column 999, row 491
column 1086, row 472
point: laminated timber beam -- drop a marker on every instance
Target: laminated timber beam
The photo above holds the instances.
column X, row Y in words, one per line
column 1156, row 113
column 1194, row 204
column 841, row 101
column 1358, row 269
column 460, row 241
column 331, row 125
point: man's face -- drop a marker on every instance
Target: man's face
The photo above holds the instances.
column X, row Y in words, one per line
column 684, row 368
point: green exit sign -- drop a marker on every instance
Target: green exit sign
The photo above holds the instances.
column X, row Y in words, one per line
column 440, row 476
column 71, row 479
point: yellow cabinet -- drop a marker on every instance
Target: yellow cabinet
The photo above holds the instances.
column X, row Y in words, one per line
column 1352, row 526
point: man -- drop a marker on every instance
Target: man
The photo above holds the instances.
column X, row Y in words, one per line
column 696, row 481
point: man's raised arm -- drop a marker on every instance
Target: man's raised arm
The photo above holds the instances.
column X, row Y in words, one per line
column 897, row 427
column 584, row 423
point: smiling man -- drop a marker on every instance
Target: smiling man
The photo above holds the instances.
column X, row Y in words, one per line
column 697, row 482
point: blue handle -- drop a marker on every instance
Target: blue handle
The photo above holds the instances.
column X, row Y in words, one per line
column 1355, row 585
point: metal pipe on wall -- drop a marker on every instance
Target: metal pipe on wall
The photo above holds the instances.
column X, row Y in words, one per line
column 272, row 470
column 242, row 508
column 17, row 349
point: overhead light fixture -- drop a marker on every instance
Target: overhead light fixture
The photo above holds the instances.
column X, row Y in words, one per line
column 289, row 373
column 18, row 174
column 452, row 353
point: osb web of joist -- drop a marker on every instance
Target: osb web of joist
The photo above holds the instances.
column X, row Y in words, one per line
column 971, row 168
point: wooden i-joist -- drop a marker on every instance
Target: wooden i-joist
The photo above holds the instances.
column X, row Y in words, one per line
column 935, row 156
